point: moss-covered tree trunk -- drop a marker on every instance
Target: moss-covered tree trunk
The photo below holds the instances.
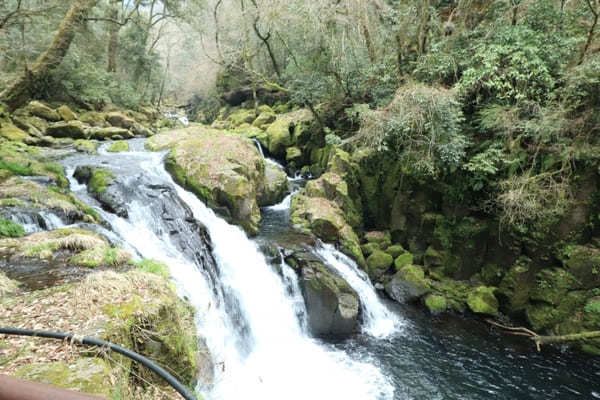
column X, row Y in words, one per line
column 113, row 36
column 20, row 91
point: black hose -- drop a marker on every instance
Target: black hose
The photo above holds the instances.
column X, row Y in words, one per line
column 117, row 349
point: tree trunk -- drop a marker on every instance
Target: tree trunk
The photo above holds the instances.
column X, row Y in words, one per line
column 20, row 91
column 113, row 36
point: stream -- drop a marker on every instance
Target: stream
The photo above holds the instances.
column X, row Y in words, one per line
column 254, row 319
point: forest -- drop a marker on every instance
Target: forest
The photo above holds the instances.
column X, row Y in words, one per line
column 376, row 156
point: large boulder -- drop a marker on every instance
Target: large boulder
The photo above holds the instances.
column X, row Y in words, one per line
column 120, row 120
column 68, row 129
column 283, row 132
column 115, row 133
column 66, row 113
column 223, row 169
column 275, row 187
column 43, row 111
column 408, row 284
column 332, row 305
column 326, row 220
column 101, row 184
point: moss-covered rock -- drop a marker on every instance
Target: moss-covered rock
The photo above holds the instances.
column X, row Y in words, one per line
column 66, row 113
column 436, row 304
column 69, row 129
column 516, row 286
column 552, row 285
column 332, row 305
column 408, row 284
column 86, row 146
column 379, row 263
column 11, row 132
column 225, row 170
column 383, row 239
column 369, row 248
column 113, row 132
column 281, row 134
column 275, row 187
column 16, row 192
column 118, row 147
column 43, row 111
column 119, row 120
column 264, row 119
column 326, row 220
column 241, row 116
column 293, row 154
column 402, row 260
column 88, row 375
column 93, row 118
column 583, row 262
column 482, row 300
column 395, row 251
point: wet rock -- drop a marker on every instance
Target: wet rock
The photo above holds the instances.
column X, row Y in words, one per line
column 408, row 284
column 101, row 184
column 332, row 305
column 275, row 187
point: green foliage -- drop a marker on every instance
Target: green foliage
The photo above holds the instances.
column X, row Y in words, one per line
column 593, row 306
column 9, row 228
column 422, row 126
column 513, row 64
column 582, row 88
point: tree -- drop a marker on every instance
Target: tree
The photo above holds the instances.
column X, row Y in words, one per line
column 20, row 91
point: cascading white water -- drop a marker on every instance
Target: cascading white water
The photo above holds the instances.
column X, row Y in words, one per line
column 377, row 319
column 283, row 362
column 285, row 203
column 275, row 358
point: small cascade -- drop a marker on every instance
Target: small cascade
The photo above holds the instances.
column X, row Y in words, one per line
column 285, row 204
column 267, row 159
column 259, row 147
column 35, row 221
column 378, row 321
column 290, row 279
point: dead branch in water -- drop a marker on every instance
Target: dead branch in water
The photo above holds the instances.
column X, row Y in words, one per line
column 539, row 340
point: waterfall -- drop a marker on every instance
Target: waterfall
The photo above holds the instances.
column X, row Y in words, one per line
column 247, row 312
column 377, row 319
column 267, row 159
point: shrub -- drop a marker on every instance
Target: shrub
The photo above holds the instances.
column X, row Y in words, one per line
column 421, row 126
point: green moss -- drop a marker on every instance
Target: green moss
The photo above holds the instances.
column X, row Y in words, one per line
column 101, row 256
column 402, row 260
column 9, row 228
column 552, row 285
column 481, row 300
column 369, row 248
column 384, row 239
column 88, row 375
column 16, row 168
column 436, row 304
column 100, row 180
column 395, row 251
column 379, row 263
column 118, row 147
column 154, row 267
column 86, row 146
column 58, row 172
